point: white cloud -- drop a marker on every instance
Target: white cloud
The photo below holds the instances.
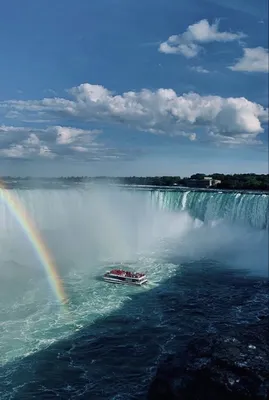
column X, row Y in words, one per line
column 189, row 43
column 26, row 151
column 160, row 111
column 16, row 151
column 243, row 139
column 58, row 142
column 67, row 135
column 200, row 70
column 80, row 149
column 33, row 140
column 22, row 142
column 44, row 151
column 6, row 129
column 254, row 60
column 50, row 142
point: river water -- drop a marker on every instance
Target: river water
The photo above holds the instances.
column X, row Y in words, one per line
column 206, row 257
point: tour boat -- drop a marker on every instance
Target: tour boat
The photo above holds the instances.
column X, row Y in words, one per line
column 125, row 277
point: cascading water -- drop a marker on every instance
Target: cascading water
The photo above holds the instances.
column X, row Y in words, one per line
column 166, row 233
column 207, row 206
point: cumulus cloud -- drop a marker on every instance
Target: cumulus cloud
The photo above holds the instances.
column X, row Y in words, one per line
column 50, row 142
column 253, row 60
column 59, row 142
column 67, row 135
column 231, row 141
column 158, row 112
column 162, row 111
column 200, row 70
column 189, row 42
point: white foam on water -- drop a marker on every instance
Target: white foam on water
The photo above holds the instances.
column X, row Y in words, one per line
column 87, row 229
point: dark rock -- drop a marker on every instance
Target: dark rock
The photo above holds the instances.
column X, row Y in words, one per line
column 216, row 367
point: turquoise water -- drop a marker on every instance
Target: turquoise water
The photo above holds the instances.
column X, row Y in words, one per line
column 205, row 253
column 241, row 208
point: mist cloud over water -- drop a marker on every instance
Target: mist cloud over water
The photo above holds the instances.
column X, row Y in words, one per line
column 88, row 228
column 85, row 226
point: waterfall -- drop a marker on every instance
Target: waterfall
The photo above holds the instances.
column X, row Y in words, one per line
column 208, row 206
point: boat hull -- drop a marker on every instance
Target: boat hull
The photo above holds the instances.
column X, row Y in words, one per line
column 125, row 282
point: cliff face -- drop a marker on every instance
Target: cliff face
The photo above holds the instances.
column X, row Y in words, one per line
column 234, row 367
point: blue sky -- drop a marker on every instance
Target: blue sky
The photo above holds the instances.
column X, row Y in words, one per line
column 122, row 87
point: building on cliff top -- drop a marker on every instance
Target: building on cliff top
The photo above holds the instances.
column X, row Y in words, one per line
column 206, row 182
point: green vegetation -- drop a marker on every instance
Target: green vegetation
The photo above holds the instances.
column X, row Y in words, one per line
column 243, row 181
column 232, row 182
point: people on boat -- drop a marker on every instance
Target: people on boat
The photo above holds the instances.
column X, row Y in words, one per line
column 128, row 274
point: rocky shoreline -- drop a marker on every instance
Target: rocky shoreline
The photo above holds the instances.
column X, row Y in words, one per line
column 233, row 366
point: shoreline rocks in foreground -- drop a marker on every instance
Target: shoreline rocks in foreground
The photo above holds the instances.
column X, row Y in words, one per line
column 218, row 367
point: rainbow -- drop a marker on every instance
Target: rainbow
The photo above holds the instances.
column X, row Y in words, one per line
column 34, row 237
